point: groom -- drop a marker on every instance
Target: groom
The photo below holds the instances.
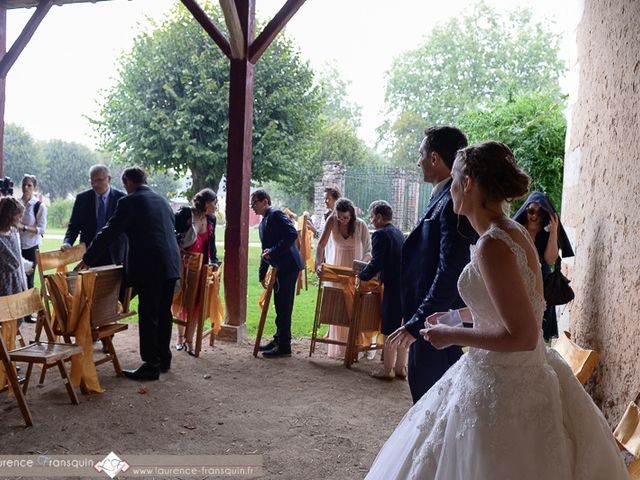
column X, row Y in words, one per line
column 433, row 257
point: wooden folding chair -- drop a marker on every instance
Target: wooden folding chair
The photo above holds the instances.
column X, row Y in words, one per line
column 581, row 361
column 264, row 302
column 13, row 307
column 58, row 260
column 186, row 300
column 334, row 307
column 102, row 299
column 211, row 306
column 627, row 434
column 304, row 246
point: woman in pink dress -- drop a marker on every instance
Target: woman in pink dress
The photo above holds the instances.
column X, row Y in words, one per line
column 200, row 237
column 351, row 241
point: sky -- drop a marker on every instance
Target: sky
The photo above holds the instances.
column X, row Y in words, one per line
column 59, row 80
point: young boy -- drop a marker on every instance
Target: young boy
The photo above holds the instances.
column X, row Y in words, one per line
column 386, row 259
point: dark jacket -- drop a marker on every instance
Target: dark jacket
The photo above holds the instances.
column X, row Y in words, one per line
column 184, row 221
column 278, row 235
column 83, row 222
column 433, row 256
column 386, row 258
column 148, row 221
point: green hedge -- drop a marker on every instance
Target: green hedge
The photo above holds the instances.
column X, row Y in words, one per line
column 59, row 213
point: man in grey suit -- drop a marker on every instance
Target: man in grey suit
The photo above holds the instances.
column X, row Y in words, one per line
column 433, row 256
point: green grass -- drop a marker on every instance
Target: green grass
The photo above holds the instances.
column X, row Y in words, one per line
column 305, row 303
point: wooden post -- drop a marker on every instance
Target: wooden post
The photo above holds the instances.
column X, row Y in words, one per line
column 239, row 153
column 3, row 81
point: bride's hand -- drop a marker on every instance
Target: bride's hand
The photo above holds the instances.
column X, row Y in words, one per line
column 438, row 336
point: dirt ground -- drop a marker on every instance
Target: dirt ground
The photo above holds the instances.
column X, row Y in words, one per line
column 310, row 418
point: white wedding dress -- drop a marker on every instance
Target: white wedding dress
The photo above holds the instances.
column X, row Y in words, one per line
column 502, row 416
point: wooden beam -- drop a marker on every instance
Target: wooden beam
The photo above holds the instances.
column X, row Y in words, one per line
column 3, row 81
column 236, row 35
column 23, row 39
column 239, row 154
column 208, row 26
column 277, row 23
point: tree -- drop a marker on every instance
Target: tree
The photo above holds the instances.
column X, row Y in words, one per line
column 467, row 63
column 534, row 127
column 67, row 168
column 169, row 107
column 22, row 155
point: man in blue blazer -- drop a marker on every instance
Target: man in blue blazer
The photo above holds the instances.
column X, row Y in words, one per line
column 153, row 266
column 89, row 216
column 278, row 236
column 433, row 257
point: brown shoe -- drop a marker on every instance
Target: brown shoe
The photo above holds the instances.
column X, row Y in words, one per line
column 383, row 375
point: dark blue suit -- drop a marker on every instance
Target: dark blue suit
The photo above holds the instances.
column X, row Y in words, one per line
column 153, row 265
column 83, row 223
column 278, row 236
column 433, row 257
column 386, row 256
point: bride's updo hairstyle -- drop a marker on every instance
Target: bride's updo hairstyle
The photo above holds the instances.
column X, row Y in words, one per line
column 492, row 165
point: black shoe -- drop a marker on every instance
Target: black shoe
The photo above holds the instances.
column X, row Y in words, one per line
column 269, row 346
column 29, row 319
column 278, row 351
column 143, row 372
column 165, row 367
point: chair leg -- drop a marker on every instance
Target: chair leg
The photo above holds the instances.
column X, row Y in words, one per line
column 114, row 357
column 20, row 337
column 27, row 377
column 67, row 383
column 43, row 373
column 12, row 378
column 212, row 339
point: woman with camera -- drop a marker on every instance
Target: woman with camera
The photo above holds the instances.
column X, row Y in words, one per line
column 32, row 225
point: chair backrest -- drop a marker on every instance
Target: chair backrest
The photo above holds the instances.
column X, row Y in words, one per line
column 582, row 361
column 59, row 259
column 627, row 432
column 13, row 307
column 190, row 280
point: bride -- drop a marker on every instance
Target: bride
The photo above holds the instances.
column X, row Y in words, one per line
column 510, row 408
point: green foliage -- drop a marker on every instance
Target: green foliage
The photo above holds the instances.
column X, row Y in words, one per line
column 169, row 108
column 21, row 155
column 67, row 169
column 534, row 127
column 468, row 62
column 59, row 213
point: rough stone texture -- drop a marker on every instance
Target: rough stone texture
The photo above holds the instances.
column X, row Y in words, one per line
column 332, row 176
column 601, row 199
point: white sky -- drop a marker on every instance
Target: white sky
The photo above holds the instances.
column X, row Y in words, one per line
column 72, row 57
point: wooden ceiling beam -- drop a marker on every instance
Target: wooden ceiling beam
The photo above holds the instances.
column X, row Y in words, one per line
column 23, row 39
column 277, row 23
column 207, row 24
column 236, row 34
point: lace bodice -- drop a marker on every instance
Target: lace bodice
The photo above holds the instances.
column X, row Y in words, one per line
column 474, row 292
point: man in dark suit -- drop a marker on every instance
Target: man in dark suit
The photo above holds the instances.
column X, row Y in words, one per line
column 386, row 259
column 433, row 257
column 153, row 266
column 278, row 236
column 90, row 213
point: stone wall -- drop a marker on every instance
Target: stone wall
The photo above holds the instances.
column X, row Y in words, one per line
column 601, row 197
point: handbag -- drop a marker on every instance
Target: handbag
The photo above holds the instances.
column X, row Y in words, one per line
column 557, row 290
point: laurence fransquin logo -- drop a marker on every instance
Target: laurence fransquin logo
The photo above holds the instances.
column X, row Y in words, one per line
column 112, row 465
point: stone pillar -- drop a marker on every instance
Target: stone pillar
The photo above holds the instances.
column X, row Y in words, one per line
column 413, row 201
column 398, row 195
column 332, row 175
column 601, row 192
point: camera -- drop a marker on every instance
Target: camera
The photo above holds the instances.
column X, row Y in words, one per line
column 6, row 187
